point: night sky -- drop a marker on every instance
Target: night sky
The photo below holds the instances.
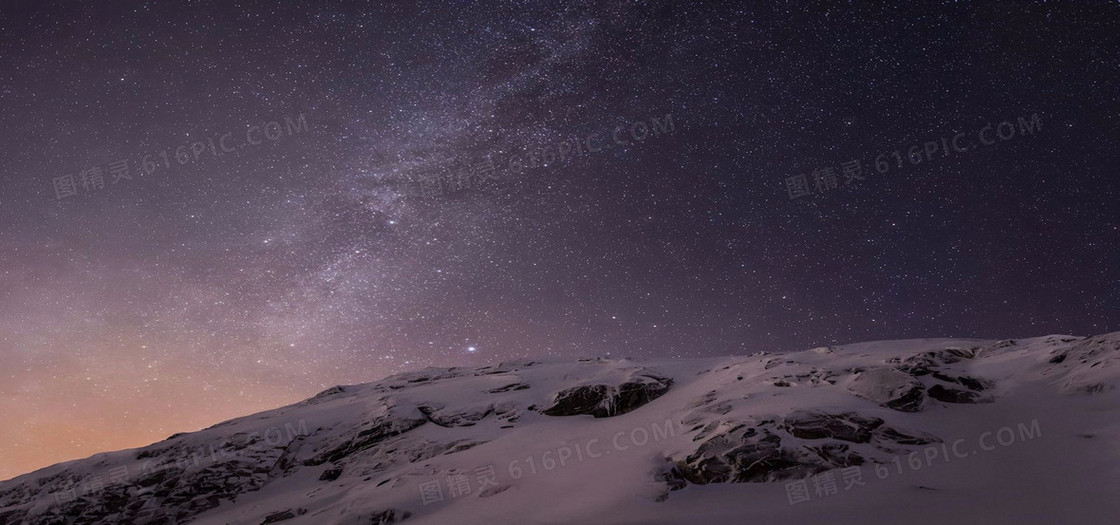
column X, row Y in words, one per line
column 409, row 219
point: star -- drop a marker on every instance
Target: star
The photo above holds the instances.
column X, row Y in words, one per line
column 383, row 188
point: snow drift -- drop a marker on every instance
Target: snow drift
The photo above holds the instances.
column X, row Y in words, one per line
column 916, row 431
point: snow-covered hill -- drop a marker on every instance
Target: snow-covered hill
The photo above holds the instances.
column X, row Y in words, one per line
column 917, row 431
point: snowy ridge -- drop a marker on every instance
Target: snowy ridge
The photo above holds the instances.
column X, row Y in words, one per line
column 1014, row 431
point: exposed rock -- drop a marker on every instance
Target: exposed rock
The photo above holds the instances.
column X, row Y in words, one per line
column 363, row 446
column 954, row 395
column 890, row 388
column 458, row 418
column 735, row 452
column 972, row 383
column 886, row 434
column 837, row 454
column 1091, row 365
column 379, row 430
column 496, row 489
column 670, row 476
column 605, row 400
column 753, row 455
column 14, row 516
column 846, row 426
column 975, row 383
column 509, row 388
column 1088, row 388
column 927, row 362
column 579, row 400
column 283, row 515
column 632, row 395
column 387, row 517
column 332, row 391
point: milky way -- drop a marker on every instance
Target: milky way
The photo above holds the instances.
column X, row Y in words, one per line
column 171, row 258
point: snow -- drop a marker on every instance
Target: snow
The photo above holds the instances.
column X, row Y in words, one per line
column 395, row 436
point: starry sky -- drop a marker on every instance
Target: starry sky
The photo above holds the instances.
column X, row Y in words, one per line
column 739, row 179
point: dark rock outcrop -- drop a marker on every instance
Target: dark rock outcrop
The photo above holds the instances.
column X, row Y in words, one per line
column 847, row 426
column 509, row 388
column 379, row 430
column 975, row 383
column 283, row 515
column 890, row 388
column 605, row 400
column 955, row 395
column 1090, row 365
column 928, row 362
column 579, row 400
column 757, row 452
column 752, row 455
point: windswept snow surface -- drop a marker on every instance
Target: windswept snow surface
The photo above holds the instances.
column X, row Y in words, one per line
column 916, row 431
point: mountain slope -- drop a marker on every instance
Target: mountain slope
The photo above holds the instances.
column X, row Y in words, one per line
column 916, row 431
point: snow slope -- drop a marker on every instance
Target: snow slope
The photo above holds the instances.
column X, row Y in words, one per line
column 916, row 431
